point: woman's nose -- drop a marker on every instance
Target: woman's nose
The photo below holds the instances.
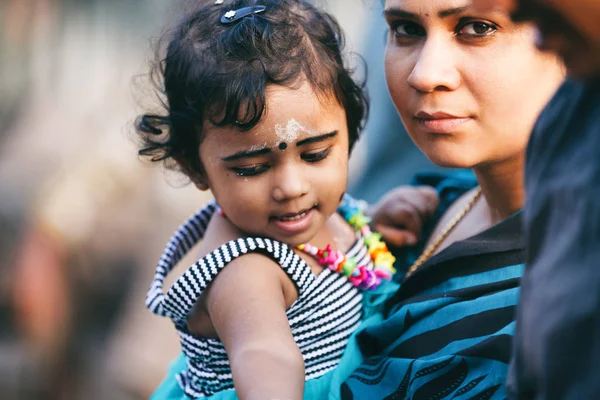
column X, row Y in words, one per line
column 435, row 68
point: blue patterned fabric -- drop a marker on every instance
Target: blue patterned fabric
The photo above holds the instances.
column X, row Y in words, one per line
column 448, row 329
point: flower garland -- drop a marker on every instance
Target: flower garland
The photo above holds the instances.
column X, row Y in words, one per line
column 360, row 276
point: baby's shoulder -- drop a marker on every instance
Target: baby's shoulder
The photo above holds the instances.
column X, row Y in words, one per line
column 247, row 275
column 219, row 231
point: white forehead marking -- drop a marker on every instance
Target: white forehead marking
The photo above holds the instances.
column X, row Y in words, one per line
column 258, row 147
column 291, row 131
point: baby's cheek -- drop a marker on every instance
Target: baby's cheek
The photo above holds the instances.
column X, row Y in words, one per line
column 340, row 163
column 333, row 184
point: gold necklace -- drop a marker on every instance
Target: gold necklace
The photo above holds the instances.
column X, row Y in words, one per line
column 428, row 252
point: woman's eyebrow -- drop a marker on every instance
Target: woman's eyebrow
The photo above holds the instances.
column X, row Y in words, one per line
column 453, row 11
column 247, row 154
column 315, row 139
column 400, row 13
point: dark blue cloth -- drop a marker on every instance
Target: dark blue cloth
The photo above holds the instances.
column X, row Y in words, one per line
column 448, row 329
column 557, row 347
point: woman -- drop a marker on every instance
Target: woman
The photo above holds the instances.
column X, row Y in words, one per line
column 468, row 86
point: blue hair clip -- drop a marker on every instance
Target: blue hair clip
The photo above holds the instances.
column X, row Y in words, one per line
column 232, row 16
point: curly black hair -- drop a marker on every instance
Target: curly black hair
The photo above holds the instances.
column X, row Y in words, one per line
column 220, row 72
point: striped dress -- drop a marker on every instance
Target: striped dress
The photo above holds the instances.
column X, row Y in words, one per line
column 327, row 311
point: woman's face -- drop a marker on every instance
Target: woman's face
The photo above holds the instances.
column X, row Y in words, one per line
column 468, row 85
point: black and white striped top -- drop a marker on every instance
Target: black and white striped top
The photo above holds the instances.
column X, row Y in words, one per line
column 327, row 311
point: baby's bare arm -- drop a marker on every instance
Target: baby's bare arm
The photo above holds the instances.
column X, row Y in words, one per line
column 247, row 306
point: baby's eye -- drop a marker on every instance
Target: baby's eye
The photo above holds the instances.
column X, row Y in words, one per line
column 477, row 29
column 316, row 157
column 407, row 29
column 251, row 170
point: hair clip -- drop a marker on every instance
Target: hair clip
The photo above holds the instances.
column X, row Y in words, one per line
column 219, row 2
column 232, row 16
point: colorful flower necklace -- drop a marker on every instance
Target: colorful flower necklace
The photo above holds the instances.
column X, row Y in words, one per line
column 360, row 276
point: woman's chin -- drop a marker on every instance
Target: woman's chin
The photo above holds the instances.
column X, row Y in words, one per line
column 451, row 160
column 448, row 151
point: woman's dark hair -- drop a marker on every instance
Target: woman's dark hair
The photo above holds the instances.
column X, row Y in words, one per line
column 220, row 72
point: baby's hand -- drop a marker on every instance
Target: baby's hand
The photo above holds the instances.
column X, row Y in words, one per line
column 400, row 214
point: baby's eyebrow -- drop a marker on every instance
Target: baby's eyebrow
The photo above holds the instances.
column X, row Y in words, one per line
column 267, row 150
column 247, row 154
column 319, row 138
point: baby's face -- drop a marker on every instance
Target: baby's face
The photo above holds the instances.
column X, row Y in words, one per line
column 285, row 177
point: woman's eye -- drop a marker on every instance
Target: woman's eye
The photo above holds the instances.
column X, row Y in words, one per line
column 478, row 29
column 315, row 157
column 407, row 29
column 250, row 171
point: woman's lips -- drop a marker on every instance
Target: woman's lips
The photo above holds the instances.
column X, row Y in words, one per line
column 443, row 125
column 440, row 122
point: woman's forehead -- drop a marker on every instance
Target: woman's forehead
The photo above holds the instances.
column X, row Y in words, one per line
column 430, row 8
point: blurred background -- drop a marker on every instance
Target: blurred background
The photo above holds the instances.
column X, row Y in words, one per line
column 83, row 220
